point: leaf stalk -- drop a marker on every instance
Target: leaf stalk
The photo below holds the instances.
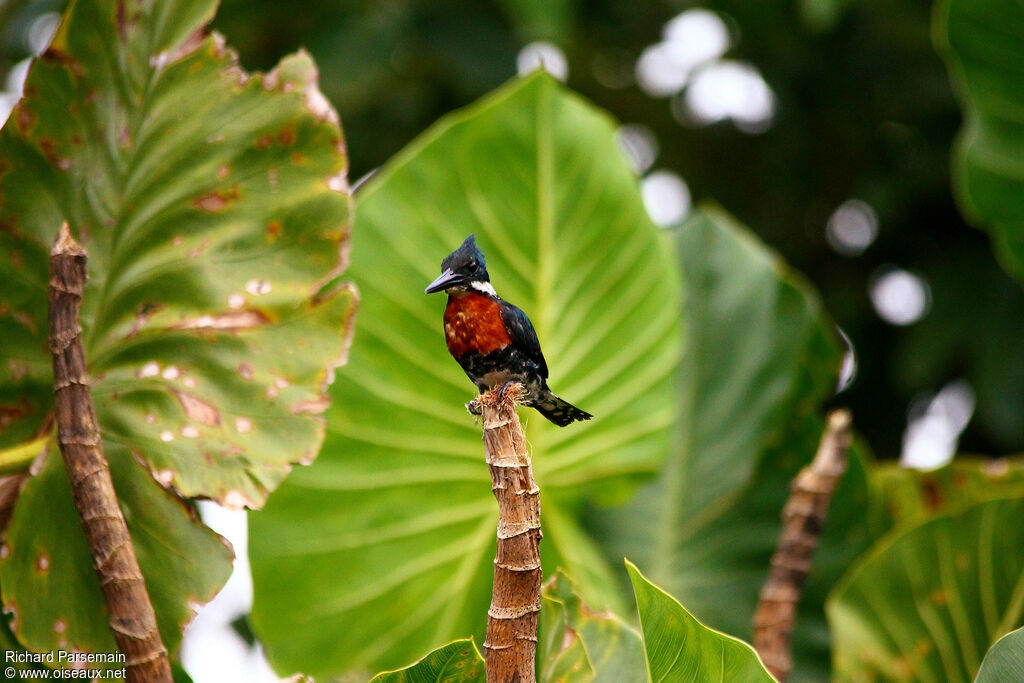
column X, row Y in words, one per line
column 132, row 618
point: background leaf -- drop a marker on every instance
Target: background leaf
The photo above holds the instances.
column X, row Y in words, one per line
column 1004, row 660
column 680, row 648
column 48, row 578
column 456, row 662
column 214, row 208
column 761, row 356
column 578, row 645
column 535, row 172
column 927, row 602
column 983, row 43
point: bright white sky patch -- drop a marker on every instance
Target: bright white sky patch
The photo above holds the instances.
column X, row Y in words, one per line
column 546, row 55
column 935, row 424
column 731, row 90
column 851, row 228
column 899, row 296
column 666, row 197
column 212, row 651
column 692, row 38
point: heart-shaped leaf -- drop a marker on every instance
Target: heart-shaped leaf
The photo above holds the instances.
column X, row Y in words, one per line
column 680, row 648
column 214, row 209
column 927, row 602
column 983, row 42
column 393, row 528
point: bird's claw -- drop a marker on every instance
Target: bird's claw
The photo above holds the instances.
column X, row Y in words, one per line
column 503, row 389
column 474, row 408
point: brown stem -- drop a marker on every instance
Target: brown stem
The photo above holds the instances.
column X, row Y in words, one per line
column 803, row 519
column 131, row 615
column 511, row 644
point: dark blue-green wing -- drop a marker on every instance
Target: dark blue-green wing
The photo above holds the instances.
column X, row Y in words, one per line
column 520, row 329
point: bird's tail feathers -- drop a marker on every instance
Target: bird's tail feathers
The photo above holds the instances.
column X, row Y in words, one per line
column 558, row 410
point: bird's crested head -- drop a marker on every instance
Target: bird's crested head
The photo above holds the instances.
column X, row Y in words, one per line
column 463, row 269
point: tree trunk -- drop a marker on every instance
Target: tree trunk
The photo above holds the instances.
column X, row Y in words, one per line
column 511, row 644
column 131, row 615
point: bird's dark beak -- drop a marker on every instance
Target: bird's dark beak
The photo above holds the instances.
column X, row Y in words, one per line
column 444, row 281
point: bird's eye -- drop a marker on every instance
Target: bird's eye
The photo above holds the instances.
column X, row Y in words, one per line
column 472, row 267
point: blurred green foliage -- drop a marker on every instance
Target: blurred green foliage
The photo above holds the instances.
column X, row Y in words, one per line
column 864, row 109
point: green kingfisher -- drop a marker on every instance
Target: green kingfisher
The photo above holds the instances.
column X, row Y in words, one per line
column 491, row 339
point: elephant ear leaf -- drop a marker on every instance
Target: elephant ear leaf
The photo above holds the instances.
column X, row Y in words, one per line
column 214, row 208
column 680, row 648
column 928, row 601
column 535, row 172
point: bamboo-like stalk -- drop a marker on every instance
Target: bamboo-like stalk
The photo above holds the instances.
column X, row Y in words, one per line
column 803, row 519
column 132, row 619
column 511, row 644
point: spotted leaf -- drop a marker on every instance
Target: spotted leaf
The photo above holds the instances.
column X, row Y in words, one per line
column 214, row 208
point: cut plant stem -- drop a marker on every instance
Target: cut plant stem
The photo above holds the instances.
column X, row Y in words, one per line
column 131, row 614
column 803, row 519
column 510, row 647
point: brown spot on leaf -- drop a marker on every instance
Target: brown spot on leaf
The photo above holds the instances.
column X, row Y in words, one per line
column 312, row 407
column 245, row 370
column 48, row 146
column 223, row 171
column 196, row 251
column 939, row 597
column 297, row 158
column 932, row 493
column 143, row 313
column 10, row 412
column 24, row 119
column 235, row 321
column 10, row 487
column 273, row 231
column 42, row 564
column 217, row 200
column 287, row 136
column 55, row 55
column 197, row 409
column 17, row 368
column 264, row 142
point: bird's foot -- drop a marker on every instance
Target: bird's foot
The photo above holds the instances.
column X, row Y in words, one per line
column 504, row 388
column 474, row 408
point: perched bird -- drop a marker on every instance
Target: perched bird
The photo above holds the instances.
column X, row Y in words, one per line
column 491, row 339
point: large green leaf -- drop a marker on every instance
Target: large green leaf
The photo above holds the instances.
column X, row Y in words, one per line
column 456, row 662
column 57, row 603
column 578, row 645
column 761, row 356
column 927, row 602
column 1004, row 660
column 213, row 206
column 393, row 527
column 907, row 497
column 680, row 648
column 983, row 42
